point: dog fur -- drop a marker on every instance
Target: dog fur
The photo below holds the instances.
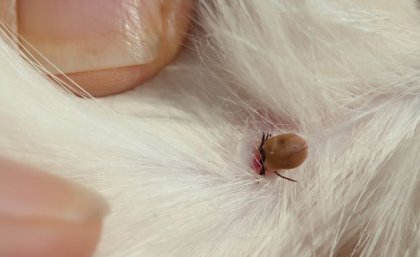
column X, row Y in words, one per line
column 173, row 157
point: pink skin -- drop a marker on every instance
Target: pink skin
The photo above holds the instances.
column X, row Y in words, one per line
column 256, row 162
column 256, row 165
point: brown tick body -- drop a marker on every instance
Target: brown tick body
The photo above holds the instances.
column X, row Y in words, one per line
column 284, row 151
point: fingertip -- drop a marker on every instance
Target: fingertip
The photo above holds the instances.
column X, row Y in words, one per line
column 105, row 47
column 42, row 215
column 48, row 238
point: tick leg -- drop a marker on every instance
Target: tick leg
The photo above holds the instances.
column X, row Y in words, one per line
column 262, row 154
column 262, row 140
column 262, row 171
column 284, row 177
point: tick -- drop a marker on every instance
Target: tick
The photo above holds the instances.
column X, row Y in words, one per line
column 282, row 152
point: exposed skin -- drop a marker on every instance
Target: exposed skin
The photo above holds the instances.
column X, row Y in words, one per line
column 106, row 47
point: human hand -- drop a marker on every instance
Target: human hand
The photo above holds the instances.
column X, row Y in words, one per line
column 45, row 216
column 105, row 46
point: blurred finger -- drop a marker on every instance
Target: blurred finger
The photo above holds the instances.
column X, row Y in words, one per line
column 43, row 215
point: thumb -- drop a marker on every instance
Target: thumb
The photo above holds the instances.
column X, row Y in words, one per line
column 105, row 46
column 44, row 216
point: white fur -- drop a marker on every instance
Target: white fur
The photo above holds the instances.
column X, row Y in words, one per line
column 173, row 156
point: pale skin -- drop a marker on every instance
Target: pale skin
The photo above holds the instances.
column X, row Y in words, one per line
column 31, row 201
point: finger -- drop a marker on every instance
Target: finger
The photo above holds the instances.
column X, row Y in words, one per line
column 105, row 46
column 8, row 15
column 43, row 215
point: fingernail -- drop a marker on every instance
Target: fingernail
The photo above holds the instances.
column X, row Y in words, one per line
column 86, row 35
column 8, row 19
column 27, row 193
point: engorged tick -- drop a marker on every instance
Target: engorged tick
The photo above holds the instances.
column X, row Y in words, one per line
column 284, row 151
